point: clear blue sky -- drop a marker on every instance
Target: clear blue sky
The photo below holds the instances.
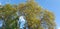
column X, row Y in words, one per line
column 52, row 5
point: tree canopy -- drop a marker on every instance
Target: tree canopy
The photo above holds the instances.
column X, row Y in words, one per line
column 35, row 15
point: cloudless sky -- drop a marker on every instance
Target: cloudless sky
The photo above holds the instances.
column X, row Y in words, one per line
column 52, row 5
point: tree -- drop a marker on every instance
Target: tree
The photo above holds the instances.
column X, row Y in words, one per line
column 35, row 16
column 8, row 13
column 48, row 18
column 31, row 10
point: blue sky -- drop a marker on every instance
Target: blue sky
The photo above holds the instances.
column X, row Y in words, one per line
column 52, row 5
